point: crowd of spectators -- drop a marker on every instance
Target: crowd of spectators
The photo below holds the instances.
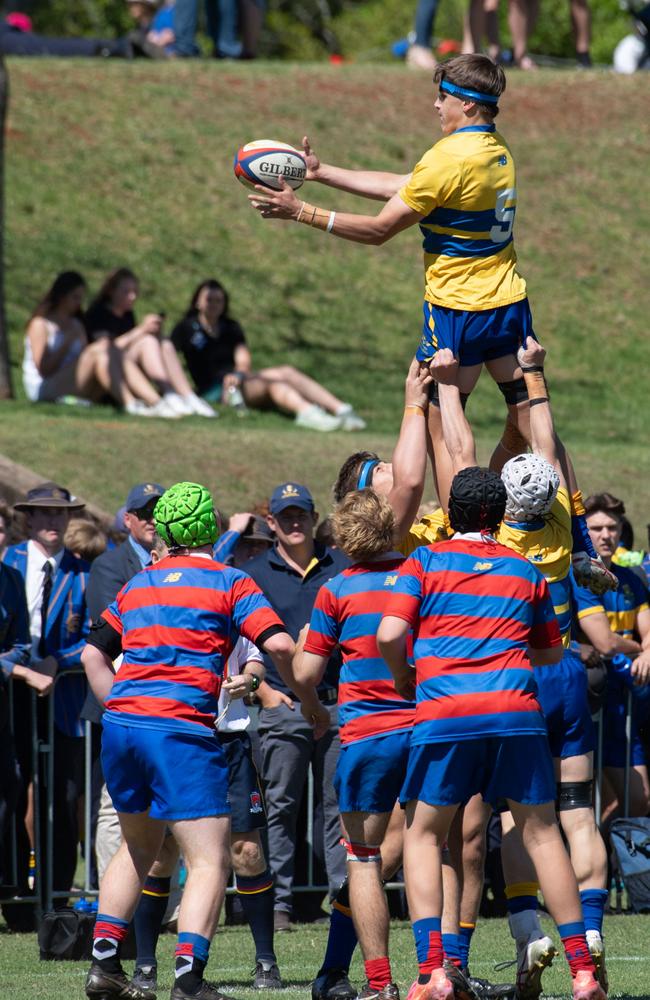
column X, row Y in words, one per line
column 107, row 354
column 61, row 570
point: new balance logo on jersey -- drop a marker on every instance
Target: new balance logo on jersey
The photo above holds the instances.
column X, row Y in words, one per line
column 480, row 567
column 172, row 578
column 390, row 580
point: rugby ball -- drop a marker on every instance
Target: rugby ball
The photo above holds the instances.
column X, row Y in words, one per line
column 266, row 161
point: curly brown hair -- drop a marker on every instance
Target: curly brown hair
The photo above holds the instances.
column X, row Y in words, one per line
column 363, row 524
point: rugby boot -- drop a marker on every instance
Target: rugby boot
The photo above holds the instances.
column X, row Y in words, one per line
column 146, row 979
column 491, row 991
column 207, row 991
column 333, row 985
column 438, row 987
column 533, row 958
column 585, row 987
column 102, row 985
column 597, row 951
column 463, row 989
column 266, row 976
column 388, row 992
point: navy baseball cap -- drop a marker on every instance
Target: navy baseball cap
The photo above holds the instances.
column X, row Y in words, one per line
column 143, row 494
column 290, row 495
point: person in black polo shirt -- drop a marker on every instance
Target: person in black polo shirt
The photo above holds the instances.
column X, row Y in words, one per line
column 290, row 574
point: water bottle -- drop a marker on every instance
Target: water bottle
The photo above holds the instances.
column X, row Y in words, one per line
column 622, row 667
column 235, row 399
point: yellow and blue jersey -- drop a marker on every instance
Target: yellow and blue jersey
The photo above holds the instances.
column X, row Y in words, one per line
column 622, row 606
column 433, row 527
column 547, row 543
column 465, row 189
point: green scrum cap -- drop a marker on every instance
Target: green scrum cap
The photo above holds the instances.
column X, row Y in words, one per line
column 184, row 516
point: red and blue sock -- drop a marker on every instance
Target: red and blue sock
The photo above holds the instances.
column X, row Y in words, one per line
column 378, row 972
column 428, row 946
column 575, row 947
column 593, row 908
column 256, row 895
column 148, row 918
column 108, row 935
column 451, row 949
column 191, row 957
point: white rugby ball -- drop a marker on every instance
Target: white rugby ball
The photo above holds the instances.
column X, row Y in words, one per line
column 266, row 161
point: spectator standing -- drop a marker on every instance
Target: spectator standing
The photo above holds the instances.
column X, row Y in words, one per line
column 110, row 319
column 55, row 585
column 226, row 20
column 217, row 355
column 290, row 574
column 419, row 54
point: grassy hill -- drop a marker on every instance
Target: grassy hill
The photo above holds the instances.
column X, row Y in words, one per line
column 130, row 164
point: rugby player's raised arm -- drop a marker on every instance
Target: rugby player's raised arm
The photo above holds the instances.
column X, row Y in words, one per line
column 372, row 230
column 377, row 184
column 410, row 454
column 455, row 425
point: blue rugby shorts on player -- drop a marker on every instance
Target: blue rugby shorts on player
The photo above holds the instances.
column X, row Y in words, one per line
column 174, row 775
column 519, row 768
column 475, row 337
column 369, row 773
column 562, row 695
column 244, row 792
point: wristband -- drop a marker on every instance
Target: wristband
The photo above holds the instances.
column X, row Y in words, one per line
column 415, row 407
column 330, row 224
column 317, row 218
column 536, row 385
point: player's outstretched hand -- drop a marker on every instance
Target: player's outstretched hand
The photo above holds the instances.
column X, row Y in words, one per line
column 592, row 573
column 416, row 388
column 444, row 367
column 312, row 161
column 531, row 354
column 281, row 204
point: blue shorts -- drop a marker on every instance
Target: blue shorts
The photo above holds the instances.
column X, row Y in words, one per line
column 614, row 714
column 562, row 695
column 370, row 773
column 244, row 792
column 173, row 775
column 519, row 768
column 475, row 337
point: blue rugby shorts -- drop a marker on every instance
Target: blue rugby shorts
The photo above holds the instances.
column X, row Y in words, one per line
column 475, row 337
column 562, row 695
column 173, row 775
column 370, row 773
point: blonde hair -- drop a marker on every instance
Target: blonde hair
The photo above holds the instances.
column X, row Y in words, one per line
column 363, row 524
column 84, row 538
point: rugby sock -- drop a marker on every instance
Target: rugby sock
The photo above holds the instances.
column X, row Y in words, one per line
column 342, row 938
column 378, row 973
column 593, row 908
column 191, row 957
column 256, row 895
column 575, row 947
column 148, row 918
column 465, row 934
column 108, row 934
column 522, row 904
column 428, row 946
column 451, row 949
column 581, row 538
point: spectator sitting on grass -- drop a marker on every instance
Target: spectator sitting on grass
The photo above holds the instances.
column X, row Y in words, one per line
column 154, row 35
column 215, row 349
column 152, row 357
column 58, row 359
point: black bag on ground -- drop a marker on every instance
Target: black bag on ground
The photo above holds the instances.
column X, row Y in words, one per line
column 631, row 843
column 66, row 935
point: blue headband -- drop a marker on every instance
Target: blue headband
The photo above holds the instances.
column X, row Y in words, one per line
column 470, row 95
column 365, row 475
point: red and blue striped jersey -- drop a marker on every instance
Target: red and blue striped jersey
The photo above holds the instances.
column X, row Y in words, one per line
column 179, row 621
column 347, row 612
column 474, row 607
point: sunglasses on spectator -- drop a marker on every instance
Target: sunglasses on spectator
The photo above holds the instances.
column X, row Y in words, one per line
column 144, row 513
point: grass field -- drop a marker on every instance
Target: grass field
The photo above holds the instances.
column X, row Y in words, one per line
column 300, row 954
column 131, row 164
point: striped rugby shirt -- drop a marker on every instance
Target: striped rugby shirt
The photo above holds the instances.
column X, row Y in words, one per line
column 474, row 607
column 347, row 613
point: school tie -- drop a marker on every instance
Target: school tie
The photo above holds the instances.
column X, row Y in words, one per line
column 47, row 590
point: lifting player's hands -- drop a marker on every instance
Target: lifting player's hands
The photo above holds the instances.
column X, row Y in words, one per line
column 312, row 161
column 281, row 204
column 531, row 354
column 416, row 388
column 444, row 367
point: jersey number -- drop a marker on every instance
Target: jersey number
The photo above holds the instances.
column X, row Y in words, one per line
column 505, row 216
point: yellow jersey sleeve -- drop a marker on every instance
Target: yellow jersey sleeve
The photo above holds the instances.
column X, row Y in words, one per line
column 429, row 529
column 435, row 179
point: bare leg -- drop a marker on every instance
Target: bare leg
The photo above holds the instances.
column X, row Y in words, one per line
column 146, row 352
column 175, row 372
column 120, row 888
column 491, row 14
column 426, row 830
column 614, row 793
column 305, row 386
column 586, row 847
column 392, row 846
column 259, row 392
column 520, row 24
column 247, row 854
column 205, row 846
column 473, row 27
column 581, row 23
column 367, row 896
